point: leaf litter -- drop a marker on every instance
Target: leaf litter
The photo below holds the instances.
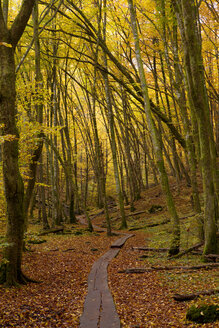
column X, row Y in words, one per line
column 142, row 300
column 58, row 300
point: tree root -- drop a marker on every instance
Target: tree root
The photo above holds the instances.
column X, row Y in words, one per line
column 2, row 274
column 24, row 280
column 173, row 251
column 8, row 280
column 190, row 249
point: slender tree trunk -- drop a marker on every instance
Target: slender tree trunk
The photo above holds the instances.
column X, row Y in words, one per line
column 5, row 10
column 39, row 115
column 177, row 172
column 42, row 196
column 175, row 243
column 71, row 164
column 113, row 148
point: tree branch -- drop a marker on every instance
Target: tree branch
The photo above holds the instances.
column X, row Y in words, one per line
column 21, row 20
column 3, row 28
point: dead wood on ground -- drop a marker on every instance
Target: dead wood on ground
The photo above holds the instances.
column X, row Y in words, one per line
column 190, row 297
column 176, row 267
column 53, row 230
column 150, row 249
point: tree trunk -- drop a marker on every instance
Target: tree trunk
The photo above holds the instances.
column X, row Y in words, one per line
column 5, row 10
column 43, row 197
column 186, row 16
column 10, row 269
column 39, row 117
column 113, row 148
column 181, row 100
column 175, row 243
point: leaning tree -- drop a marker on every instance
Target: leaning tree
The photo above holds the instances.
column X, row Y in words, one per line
column 10, row 269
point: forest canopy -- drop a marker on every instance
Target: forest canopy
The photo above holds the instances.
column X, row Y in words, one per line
column 99, row 100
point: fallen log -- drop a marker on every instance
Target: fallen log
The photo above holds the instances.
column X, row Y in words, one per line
column 130, row 214
column 198, row 252
column 136, row 228
column 176, row 267
column 186, row 251
column 150, row 249
column 190, row 249
column 53, row 230
column 92, row 216
column 69, row 249
column 190, row 297
column 188, row 216
column 150, row 225
column 135, row 270
column 212, row 256
column 36, row 242
column 135, row 213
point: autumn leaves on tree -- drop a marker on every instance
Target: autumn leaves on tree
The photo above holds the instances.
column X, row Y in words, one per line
column 105, row 98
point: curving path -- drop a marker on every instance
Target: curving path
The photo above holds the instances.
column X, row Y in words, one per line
column 99, row 308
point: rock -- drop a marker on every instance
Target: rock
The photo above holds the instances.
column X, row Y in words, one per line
column 203, row 313
column 155, row 208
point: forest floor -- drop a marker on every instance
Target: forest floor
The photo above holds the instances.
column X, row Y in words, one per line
column 63, row 263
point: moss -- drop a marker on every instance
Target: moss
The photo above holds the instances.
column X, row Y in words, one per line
column 36, row 242
column 2, row 273
column 32, row 238
column 155, row 208
column 203, row 313
column 174, row 250
column 78, row 232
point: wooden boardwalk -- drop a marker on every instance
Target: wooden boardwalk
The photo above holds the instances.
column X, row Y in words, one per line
column 99, row 308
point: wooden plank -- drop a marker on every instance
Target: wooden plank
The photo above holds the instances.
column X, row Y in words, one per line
column 99, row 308
column 95, row 305
column 91, row 313
column 92, row 276
column 109, row 317
column 120, row 242
column 101, row 279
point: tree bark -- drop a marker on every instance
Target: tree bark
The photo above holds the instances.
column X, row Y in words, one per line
column 39, row 116
column 170, row 268
column 10, row 270
column 175, row 243
column 187, row 20
column 190, row 297
column 113, row 143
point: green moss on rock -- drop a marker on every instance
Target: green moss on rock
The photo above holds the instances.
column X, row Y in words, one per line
column 203, row 313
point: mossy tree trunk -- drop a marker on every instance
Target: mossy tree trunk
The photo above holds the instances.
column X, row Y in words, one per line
column 39, row 115
column 180, row 93
column 186, row 13
column 156, row 138
column 110, row 117
column 10, row 270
